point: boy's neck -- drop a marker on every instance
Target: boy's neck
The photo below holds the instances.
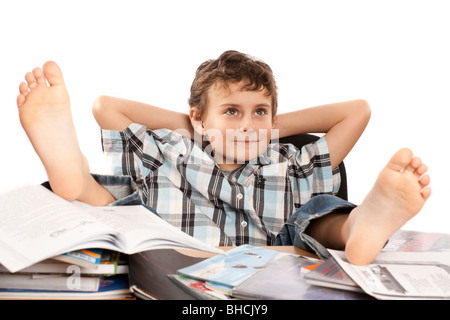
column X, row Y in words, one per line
column 229, row 166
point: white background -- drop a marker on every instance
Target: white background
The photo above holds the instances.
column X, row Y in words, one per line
column 395, row 54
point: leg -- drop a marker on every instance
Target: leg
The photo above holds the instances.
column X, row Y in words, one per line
column 317, row 225
column 330, row 229
column 44, row 112
column 398, row 195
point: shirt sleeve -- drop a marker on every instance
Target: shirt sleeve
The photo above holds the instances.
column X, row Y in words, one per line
column 314, row 161
column 133, row 152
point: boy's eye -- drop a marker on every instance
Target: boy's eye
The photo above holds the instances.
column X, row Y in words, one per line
column 231, row 112
column 260, row 112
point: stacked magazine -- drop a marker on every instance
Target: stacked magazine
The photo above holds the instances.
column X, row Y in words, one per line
column 249, row 272
column 413, row 265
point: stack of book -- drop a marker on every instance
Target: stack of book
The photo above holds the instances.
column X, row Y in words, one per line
column 81, row 274
column 44, row 240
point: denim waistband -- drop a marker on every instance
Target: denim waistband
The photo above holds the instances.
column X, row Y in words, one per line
column 122, row 188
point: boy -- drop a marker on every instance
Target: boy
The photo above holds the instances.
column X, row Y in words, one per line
column 230, row 186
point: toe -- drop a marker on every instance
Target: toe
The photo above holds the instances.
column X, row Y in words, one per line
column 23, row 89
column 20, row 100
column 31, row 80
column 426, row 193
column 424, row 181
column 414, row 164
column 53, row 73
column 39, row 76
column 400, row 160
column 422, row 169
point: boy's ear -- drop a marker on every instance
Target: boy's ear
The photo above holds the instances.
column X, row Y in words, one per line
column 196, row 120
column 274, row 121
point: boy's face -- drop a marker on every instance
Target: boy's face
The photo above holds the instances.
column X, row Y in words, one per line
column 237, row 123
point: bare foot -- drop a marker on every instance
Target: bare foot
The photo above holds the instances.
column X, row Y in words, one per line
column 399, row 193
column 44, row 112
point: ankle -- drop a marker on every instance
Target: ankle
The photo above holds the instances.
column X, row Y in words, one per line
column 73, row 184
column 67, row 188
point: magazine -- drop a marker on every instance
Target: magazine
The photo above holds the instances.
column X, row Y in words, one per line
column 283, row 279
column 235, row 267
column 330, row 273
column 249, row 272
column 402, row 275
column 415, row 241
column 197, row 288
column 37, row 224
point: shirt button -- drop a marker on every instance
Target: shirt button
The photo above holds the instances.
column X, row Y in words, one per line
column 239, row 196
column 244, row 224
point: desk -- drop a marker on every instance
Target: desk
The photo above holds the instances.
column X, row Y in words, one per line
column 287, row 249
column 149, row 270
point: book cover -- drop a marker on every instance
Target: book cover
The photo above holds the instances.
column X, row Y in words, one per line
column 283, row 279
column 232, row 269
column 87, row 258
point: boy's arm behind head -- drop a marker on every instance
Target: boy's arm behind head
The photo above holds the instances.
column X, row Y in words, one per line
column 117, row 114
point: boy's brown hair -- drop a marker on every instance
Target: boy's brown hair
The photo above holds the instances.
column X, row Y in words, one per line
column 232, row 67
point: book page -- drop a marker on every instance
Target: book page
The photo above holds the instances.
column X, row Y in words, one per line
column 37, row 224
column 402, row 275
column 140, row 229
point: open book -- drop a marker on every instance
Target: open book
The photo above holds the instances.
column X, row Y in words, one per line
column 36, row 224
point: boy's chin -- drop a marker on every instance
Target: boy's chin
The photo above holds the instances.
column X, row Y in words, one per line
column 241, row 159
column 249, row 155
column 241, row 156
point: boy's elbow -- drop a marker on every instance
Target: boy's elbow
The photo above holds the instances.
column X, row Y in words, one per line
column 364, row 108
column 99, row 110
column 108, row 115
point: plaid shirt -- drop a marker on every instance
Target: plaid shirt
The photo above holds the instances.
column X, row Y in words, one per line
column 177, row 178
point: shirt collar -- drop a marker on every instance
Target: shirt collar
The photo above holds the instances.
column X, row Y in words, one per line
column 263, row 159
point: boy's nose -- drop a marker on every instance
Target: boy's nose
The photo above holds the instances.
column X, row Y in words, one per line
column 247, row 124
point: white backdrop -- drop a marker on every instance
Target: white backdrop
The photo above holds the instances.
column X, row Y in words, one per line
column 395, row 54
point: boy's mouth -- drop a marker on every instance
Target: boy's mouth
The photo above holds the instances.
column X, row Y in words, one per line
column 245, row 140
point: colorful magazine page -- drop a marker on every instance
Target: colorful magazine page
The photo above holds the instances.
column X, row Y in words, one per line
column 88, row 258
column 233, row 268
column 283, row 279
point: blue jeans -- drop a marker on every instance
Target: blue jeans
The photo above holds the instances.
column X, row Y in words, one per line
column 122, row 188
column 293, row 232
column 125, row 191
